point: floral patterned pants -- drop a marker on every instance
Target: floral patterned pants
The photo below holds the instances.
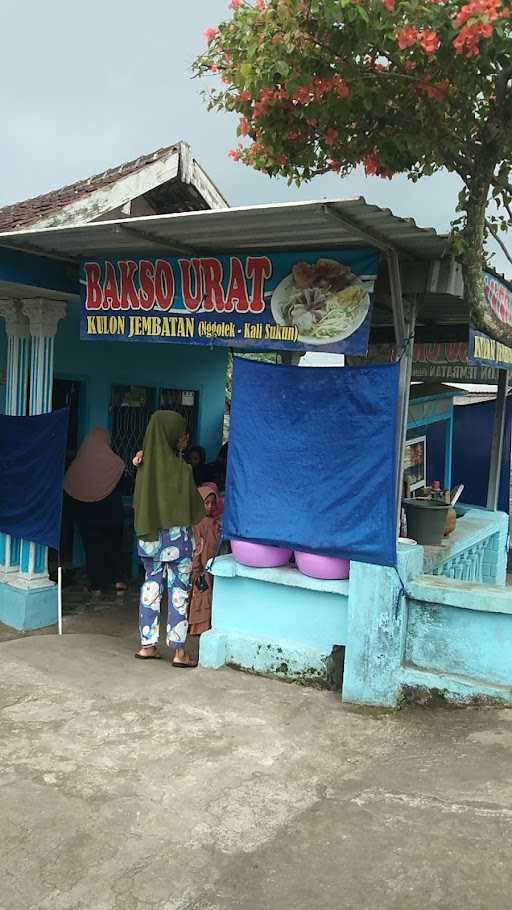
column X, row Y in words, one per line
column 169, row 564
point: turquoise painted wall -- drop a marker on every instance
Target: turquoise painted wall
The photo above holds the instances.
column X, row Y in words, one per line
column 104, row 363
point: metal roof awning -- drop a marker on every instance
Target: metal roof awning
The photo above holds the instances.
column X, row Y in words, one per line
column 333, row 223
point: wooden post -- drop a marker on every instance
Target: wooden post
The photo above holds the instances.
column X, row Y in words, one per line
column 497, row 441
column 403, row 395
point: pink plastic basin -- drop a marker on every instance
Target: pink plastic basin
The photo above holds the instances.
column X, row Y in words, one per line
column 258, row 555
column 326, row 567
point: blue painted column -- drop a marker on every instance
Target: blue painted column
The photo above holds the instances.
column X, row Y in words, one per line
column 18, row 352
column 43, row 318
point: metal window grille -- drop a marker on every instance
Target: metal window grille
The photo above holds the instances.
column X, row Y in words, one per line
column 131, row 408
column 185, row 403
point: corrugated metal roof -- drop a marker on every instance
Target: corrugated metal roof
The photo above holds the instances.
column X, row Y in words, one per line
column 278, row 227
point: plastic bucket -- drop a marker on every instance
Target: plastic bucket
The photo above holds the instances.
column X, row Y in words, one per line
column 426, row 520
column 258, row 555
column 326, row 567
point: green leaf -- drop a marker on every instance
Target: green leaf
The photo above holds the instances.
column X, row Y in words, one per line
column 282, row 68
column 362, row 13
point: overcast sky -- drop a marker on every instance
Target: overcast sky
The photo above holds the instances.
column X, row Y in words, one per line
column 86, row 86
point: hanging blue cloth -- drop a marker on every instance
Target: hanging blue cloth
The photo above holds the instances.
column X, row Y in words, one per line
column 312, row 455
column 473, row 426
column 32, row 454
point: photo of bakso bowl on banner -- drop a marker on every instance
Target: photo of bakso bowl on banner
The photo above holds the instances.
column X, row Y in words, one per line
column 324, row 300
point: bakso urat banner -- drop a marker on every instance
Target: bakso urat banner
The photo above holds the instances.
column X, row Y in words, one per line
column 288, row 301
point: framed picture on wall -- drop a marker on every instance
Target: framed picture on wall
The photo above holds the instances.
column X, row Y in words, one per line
column 415, row 463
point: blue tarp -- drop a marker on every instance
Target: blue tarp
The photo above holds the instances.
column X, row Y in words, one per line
column 312, row 459
column 472, row 434
column 32, row 453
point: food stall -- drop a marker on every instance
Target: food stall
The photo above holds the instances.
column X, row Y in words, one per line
column 341, row 276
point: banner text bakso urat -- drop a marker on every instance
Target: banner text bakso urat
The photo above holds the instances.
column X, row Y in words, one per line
column 317, row 300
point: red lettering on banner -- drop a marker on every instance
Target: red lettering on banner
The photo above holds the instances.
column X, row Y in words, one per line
column 258, row 268
column 237, row 297
column 499, row 298
column 432, row 352
column 146, row 284
column 212, row 277
column 191, row 299
column 164, row 284
column 128, row 294
column 111, row 299
column 93, row 289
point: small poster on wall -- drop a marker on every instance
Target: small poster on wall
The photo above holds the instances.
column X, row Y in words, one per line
column 415, row 463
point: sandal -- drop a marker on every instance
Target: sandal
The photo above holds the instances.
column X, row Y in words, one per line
column 155, row 656
column 183, row 666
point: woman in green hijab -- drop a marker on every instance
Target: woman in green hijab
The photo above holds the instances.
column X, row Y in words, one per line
column 167, row 504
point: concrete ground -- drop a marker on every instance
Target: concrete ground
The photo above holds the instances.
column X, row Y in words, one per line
column 126, row 786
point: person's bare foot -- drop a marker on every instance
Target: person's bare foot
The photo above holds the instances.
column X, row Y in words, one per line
column 148, row 652
column 182, row 659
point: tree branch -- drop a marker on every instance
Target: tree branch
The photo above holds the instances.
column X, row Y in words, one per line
column 492, row 230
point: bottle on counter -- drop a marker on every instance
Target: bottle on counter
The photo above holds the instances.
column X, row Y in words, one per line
column 436, row 491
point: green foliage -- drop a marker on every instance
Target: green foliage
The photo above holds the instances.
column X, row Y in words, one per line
column 399, row 86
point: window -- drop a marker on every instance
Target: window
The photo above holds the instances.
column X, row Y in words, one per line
column 131, row 408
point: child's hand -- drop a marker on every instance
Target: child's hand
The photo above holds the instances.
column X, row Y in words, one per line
column 137, row 460
column 199, row 546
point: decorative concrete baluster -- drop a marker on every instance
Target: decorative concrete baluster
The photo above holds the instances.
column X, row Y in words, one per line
column 18, row 351
column 43, row 317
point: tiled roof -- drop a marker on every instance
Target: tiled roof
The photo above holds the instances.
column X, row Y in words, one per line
column 27, row 213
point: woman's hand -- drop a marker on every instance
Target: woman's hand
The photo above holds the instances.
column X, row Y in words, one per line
column 182, row 443
column 137, row 459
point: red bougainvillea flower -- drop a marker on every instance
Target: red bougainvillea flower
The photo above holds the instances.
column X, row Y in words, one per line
column 282, row 159
column 340, row 87
column 334, row 165
column 438, row 91
column 244, row 127
column 467, row 41
column 244, row 96
column 256, row 149
column 235, row 4
column 488, row 9
column 302, row 95
column 234, row 154
column 210, row 33
column 320, row 87
column 390, row 5
column 406, row 37
column 261, row 5
column 331, row 136
column 429, row 41
column 371, row 164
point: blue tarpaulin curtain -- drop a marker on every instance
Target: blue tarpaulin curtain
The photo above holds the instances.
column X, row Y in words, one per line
column 312, row 456
column 32, row 454
column 473, row 426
